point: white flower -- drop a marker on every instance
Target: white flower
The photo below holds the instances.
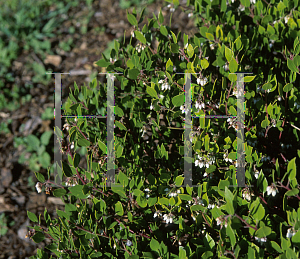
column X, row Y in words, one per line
column 161, row 96
column 147, row 190
column 151, row 107
column 75, row 119
column 256, row 174
column 178, row 191
column 205, row 174
column 226, row 67
column 261, row 240
column 286, row 19
column 291, row 232
column 201, row 81
column 190, row 14
column 72, row 145
column 219, row 221
column 211, row 46
column 196, row 162
column 186, row 45
column 132, row 34
column 161, row 81
column 174, row 69
column 182, row 108
column 168, row 218
column 169, row 5
column 279, row 98
column 210, row 206
column 172, row 10
column 38, row 187
column 272, row 190
column 128, row 243
column 252, row 1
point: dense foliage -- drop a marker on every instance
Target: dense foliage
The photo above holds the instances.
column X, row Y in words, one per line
column 150, row 216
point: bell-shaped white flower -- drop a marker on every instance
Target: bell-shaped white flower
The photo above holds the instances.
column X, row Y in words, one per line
column 272, row 190
column 38, row 187
column 290, row 232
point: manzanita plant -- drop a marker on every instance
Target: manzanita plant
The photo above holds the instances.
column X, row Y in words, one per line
column 152, row 215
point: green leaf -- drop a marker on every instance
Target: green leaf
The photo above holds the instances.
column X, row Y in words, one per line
column 131, row 18
column 103, row 63
column 292, row 169
column 288, row 87
column 276, row 247
column 151, row 92
column 102, row 146
column 190, row 51
column 160, row 17
column 230, row 233
column 120, row 125
column 248, row 79
column 229, row 201
column 141, row 201
column 152, row 201
column 296, row 238
column 40, row 177
column 292, row 192
column 291, row 65
column 174, row 37
column 83, row 142
column 133, row 73
column 163, row 30
column 32, row 216
column 233, row 66
column 263, row 231
column 169, row 64
column 228, row 54
column 174, row 48
column 59, row 192
column 163, row 201
column 185, row 197
column 140, row 37
column 119, row 209
column 76, row 160
column 209, row 36
column 46, row 137
column 154, row 245
column 77, row 191
column 179, row 180
column 123, row 179
column 38, row 237
column 204, row 63
column 119, row 151
column 67, row 170
column 178, row 100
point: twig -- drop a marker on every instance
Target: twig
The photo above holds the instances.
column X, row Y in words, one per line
column 249, row 226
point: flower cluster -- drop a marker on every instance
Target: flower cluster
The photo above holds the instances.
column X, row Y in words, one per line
column 174, row 194
column 147, row 195
column 204, row 161
column 199, row 105
column 168, row 218
column 226, row 158
column 232, row 123
column 247, row 194
column 38, row 187
column 164, row 85
column 139, row 47
column 71, row 181
column 172, row 9
column 272, row 189
column 222, row 221
column 290, row 232
column 201, row 81
column 261, row 240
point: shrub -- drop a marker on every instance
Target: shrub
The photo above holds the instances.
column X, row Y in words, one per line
column 151, row 216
